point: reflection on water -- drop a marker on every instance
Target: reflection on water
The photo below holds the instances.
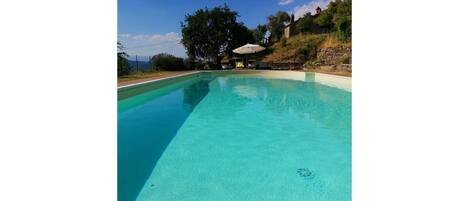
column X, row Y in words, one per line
column 146, row 124
column 307, row 99
column 194, row 93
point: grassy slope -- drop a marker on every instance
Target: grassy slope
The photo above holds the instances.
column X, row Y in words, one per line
column 294, row 48
column 330, row 42
column 290, row 50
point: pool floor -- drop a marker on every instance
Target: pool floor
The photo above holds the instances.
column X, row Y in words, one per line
column 254, row 139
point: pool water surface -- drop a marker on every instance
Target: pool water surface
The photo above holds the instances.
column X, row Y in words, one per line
column 235, row 137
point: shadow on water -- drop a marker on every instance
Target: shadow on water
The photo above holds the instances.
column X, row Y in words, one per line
column 147, row 122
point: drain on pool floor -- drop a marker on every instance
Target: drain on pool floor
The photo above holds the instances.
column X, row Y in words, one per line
column 305, row 173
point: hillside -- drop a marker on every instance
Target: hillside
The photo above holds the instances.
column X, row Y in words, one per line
column 142, row 65
column 297, row 49
column 313, row 50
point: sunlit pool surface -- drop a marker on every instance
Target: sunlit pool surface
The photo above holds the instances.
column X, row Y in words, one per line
column 234, row 137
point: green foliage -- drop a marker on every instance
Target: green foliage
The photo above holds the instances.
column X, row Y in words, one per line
column 343, row 27
column 240, row 35
column 206, row 34
column 346, row 60
column 299, row 48
column 191, row 64
column 325, row 19
column 307, row 51
column 343, row 19
column 167, row 62
column 276, row 24
column 305, row 24
column 337, row 18
column 123, row 67
column 259, row 34
column 283, row 42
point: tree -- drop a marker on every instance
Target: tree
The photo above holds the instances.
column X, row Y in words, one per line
column 305, row 24
column 325, row 19
column 337, row 18
column 207, row 34
column 276, row 24
column 259, row 34
column 123, row 67
column 166, row 61
column 343, row 19
column 343, row 27
column 240, row 36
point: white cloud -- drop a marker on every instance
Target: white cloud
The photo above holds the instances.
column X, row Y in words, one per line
column 299, row 11
column 151, row 44
column 285, row 2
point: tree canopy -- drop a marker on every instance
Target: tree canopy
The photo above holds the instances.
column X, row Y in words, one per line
column 276, row 24
column 337, row 17
column 305, row 24
column 207, row 34
column 259, row 34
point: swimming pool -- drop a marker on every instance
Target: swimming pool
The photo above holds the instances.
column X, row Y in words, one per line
column 245, row 136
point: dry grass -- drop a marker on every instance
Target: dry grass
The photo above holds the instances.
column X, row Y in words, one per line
column 289, row 51
column 331, row 41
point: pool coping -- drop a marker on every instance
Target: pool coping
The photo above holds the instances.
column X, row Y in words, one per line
column 158, row 79
column 348, row 79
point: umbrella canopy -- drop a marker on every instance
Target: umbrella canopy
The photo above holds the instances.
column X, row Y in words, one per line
column 248, row 49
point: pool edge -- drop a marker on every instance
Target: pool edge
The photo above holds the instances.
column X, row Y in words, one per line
column 337, row 81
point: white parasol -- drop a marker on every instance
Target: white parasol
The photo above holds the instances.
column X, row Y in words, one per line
column 248, row 49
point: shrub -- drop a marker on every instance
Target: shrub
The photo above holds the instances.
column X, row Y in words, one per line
column 191, row 64
column 346, row 60
column 283, row 42
column 344, row 27
column 304, row 52
column 166, row 61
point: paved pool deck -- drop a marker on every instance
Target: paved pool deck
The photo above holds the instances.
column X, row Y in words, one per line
column 342, row 82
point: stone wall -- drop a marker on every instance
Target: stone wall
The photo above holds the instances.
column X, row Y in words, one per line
column 333, row 55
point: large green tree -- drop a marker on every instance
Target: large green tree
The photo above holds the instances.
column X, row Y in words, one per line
column 276, row 24
column 240, row 36
column 259, row 34
column 208, row 34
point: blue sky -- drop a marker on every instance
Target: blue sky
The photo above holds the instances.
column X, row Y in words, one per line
column 149, row 27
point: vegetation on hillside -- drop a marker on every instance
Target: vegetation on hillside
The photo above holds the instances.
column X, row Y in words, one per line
column 336, row 22
column 297, row 49
column 276, row 24
column 337, row 18
column 304, row 24
column 303, row 48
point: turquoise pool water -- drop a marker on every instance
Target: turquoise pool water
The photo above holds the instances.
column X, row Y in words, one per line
column 234, row 137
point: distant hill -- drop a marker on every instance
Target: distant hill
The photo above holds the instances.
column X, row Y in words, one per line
column 142, row 65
